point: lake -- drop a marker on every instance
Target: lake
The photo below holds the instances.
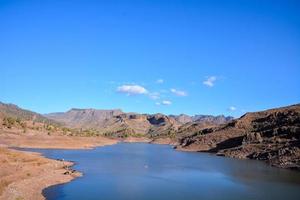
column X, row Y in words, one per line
column 139, row 171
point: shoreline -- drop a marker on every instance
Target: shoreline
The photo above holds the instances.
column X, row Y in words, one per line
column 51, row 172
column 34, row 172
column 60, row 172
column 28, row 173
column 25, row 174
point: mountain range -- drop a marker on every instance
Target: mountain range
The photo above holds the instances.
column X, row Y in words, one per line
column 271, row 135
column 117, row 123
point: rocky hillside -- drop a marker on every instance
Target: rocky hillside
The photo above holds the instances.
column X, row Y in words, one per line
column 14, row 119
column 271, row 135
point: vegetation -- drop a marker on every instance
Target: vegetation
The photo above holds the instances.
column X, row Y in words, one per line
column 171, row 134
column 90, row 133
column 10, row 122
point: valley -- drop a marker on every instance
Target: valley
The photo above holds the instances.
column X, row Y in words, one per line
column 272, row 136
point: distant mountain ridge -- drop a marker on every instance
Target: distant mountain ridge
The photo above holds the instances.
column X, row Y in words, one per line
column 220, row 119
column 116, row 122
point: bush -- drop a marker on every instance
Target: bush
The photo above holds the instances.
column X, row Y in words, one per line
column 9, row 122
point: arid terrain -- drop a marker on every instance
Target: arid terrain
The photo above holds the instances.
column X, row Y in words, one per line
column 272, row 136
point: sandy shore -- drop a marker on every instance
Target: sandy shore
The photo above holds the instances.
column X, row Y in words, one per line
column 23, row 175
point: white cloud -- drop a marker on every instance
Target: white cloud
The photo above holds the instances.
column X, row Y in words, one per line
column 166, row 102
column 154, row 95
column 210, row 81
column 232, row 108
column 179, row 93
column 157, row 103
column 132, row 89
column 160, row 81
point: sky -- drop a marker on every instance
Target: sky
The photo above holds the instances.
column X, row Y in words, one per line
column 159, row 56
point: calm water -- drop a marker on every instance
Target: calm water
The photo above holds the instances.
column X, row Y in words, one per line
column 154, row 172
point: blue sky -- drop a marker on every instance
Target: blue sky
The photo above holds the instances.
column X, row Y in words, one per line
column 193, row 57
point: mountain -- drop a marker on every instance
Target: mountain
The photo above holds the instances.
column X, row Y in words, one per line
column 121, row 124
column 272, row 135
column 220, row 119
column 13, row 111
column 115, row 122
column 84, row 118
column 183, row 119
